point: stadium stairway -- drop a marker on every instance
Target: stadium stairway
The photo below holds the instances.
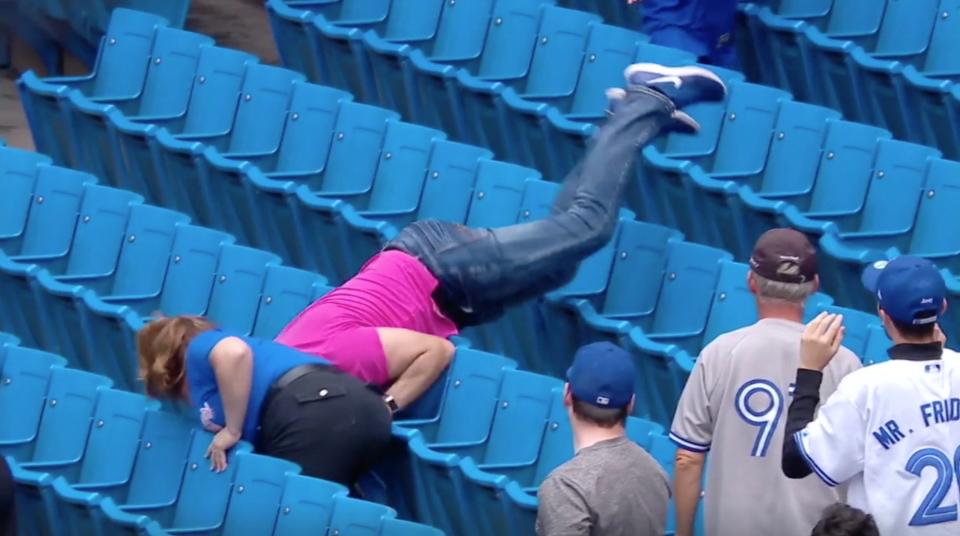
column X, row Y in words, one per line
column 888, row 63
column 91, row 459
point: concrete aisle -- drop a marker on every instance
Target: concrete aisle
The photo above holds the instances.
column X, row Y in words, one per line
column 233, row 23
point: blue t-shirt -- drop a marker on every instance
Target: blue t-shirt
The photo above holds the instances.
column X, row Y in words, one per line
column 702, row 27
column 270, row 361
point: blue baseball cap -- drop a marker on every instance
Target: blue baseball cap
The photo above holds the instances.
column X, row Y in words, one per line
column 909, row 289
column 602, row 375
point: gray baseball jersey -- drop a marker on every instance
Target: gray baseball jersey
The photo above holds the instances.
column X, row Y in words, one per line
column 733, row 406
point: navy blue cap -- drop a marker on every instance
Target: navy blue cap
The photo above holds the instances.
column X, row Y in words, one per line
column 909, row 289
column 602, row 375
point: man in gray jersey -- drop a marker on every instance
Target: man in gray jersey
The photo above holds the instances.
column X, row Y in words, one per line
column 611, row 487
column 735, row 400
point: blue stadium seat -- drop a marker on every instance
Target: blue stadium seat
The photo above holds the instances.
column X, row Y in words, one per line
column 353, row 516
column 18, row 176
column 155, row 478
column 240, row 275
column 46, row 240
column 83, row 453
column 307, row 505
column 290, row 23
column 399, row 527
column 201, row 503
column 256, row 129
column 209, row 108
column 686, row 197
column 286, row 292
column 119, row 73
column 256, row 494
column 25, row 376
column 166, row 87
column 191, row 272
column 541, row 59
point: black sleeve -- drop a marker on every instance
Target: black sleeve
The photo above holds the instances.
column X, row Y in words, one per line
column 806, row 396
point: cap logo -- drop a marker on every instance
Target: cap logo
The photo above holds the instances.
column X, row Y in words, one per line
column 926, row 301
column 603, row 401
column 880, row 265
column 789, row 268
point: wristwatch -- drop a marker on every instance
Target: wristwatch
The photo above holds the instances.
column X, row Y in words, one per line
column 391, row 403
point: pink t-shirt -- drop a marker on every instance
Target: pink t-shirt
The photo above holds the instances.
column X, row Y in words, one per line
column 392, row 290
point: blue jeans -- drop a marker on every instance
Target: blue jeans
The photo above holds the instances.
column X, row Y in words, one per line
column 483, row 271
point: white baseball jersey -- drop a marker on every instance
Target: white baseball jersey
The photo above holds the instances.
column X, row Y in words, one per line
column 893, row 431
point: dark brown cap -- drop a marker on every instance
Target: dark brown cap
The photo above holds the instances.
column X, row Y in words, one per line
column 784, row 255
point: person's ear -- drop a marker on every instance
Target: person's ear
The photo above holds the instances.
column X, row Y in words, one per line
column 816, row 283
column 630, row 406
column 567, row 396
column 752, row 283
column 946, row 304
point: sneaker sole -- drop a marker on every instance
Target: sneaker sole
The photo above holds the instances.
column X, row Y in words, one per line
column 663, row 70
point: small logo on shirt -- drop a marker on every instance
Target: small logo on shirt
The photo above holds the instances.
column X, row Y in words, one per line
column 933, row 367
column 206, row 418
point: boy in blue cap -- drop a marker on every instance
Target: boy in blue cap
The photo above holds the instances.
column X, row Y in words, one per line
column 891, row 430
column 611, row 486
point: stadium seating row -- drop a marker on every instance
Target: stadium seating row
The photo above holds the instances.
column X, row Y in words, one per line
column 887, row 62
column 90, row 459
column 760, row 161
column 76, row 25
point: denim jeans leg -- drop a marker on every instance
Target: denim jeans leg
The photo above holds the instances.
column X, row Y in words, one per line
column 481, row 271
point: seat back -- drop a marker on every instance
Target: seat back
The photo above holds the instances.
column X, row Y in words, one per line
column 795, row 150
column 257, row 490
column 286, row 292
column 498, row 192
column 936, row 233
column 801, row 8
column 65, row 423
column 355, row 10
column 53, row 213
column 173, row 63
column 896, row 186
column 470, row 402
column 307, row 505
column 747, row 129
column 239, row 282
column 538, row 198
column 204, row 494
column 877, row 344
column 412, row 20
column 941, row 59
column 191, row 270
column 557, row 445
column 216, row 88
column 462, row 31
column 845, row 167
column 355, row 151
column 849, row 18
column 906, row 27
column 640, row 431
column 23, row 390
column 593, row 273
column 100, row 232
column 18, row 176
column 609, row 50
column 356, row 517
column 448, row 188
column 145, row 250
column 114, row 439
column 124, row 52
column 687, row 289
column 399, row 527
column 638, row 268
column 520, row 418
column 309, row 126
column 856, row 326
column 733, row 305
column 561, row 40
column 161, row 459
column 261, row 113
column 403, row 167
column 511, row 38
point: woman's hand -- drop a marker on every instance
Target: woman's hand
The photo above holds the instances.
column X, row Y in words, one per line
column 217, row 451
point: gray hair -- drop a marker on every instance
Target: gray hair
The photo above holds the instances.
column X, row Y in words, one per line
column 768, row 289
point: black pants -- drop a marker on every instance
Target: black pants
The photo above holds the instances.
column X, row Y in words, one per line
column 328, row 422
column 7, row 507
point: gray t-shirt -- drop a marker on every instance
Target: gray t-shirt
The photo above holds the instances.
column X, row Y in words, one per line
column 735, row 406
column 612, row 488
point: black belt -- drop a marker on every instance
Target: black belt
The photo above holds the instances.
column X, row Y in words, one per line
column 293, row 375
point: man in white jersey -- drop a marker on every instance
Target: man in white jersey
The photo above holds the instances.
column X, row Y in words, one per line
column 891, row 430
column 735, row 400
